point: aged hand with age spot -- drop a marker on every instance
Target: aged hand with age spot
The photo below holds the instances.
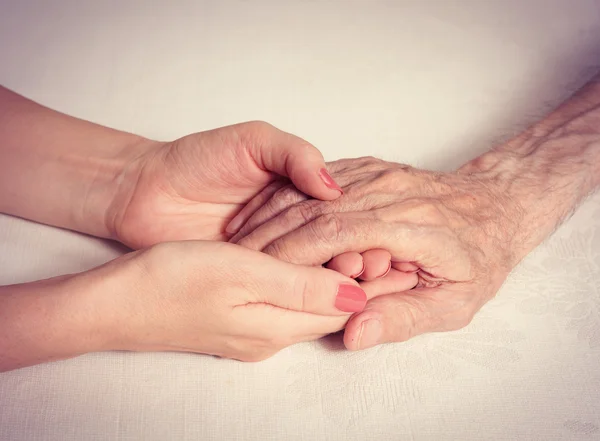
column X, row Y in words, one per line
column 464, row 231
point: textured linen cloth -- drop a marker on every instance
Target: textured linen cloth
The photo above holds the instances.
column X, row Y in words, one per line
column 430, row 83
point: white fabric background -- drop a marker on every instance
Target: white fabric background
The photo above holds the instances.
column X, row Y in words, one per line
column 431, row 83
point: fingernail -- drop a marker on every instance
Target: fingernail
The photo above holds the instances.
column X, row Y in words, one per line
column 234, row 225
column 387, row 272
column 350, row 298
column 328, row 180
column 370, row 333
column 360, row 273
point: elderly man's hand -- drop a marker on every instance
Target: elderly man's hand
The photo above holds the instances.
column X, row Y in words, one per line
column 460, row 232
column 463, row 232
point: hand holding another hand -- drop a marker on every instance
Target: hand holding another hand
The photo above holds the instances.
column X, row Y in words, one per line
column 440, row 243
column 193, row 187
column 220, row 299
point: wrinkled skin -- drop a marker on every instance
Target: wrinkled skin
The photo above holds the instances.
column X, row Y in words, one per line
column 460, row 234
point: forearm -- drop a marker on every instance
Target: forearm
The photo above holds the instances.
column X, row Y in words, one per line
column 548, row 170
column 56, row 169
column 50, row 320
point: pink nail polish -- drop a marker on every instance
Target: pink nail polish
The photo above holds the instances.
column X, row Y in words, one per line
column 350, row 298
column 328, row 180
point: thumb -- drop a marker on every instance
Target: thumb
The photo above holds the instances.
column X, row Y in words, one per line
column 288, row 155
column 315, row 290
column 403, row 315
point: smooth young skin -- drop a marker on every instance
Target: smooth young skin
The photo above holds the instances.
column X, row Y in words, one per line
column 464, row 231
column 191, row 296
column 74, row 174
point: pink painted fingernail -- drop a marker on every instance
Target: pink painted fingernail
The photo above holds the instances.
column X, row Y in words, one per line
column 328, row 180
column 350, row 298
column 369, row 334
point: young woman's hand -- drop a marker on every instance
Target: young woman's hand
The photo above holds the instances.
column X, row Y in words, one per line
column 192, row 296
column 193, row 187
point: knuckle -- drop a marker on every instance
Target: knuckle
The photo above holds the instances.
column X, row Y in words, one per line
column 254, row 132
column 388, row 176
column 392, row 169
column 424, row 212
column 369, row 161
column 286, row 196
column 329, row 226
column 397, row 178
column 430, row 212
column 305, row 211
column 279, row 250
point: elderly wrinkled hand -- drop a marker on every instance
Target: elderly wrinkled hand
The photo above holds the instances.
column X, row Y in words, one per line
column 462, row 232
column 454, row 230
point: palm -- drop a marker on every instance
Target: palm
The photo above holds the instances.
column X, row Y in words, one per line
column 190, row 189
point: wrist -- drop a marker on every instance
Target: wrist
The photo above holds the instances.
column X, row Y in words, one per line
column 541, row 179
column 50, row 320
column 59, row 170
column 120, row 299
column 110, row 181
column 498, row 173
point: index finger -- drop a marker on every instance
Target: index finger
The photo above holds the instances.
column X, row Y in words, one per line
column 434, row 249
